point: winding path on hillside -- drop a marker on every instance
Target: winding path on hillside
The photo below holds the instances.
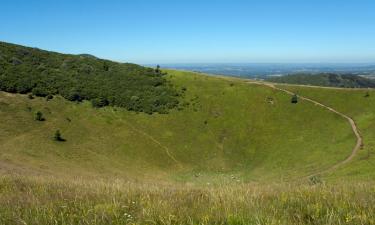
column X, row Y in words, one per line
column 148, row 136
column 353, row 125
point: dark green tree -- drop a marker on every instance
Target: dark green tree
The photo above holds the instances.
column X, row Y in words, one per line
column 294, row 99
column 57, row 136
column 99, row 102
column 39, row 116
column 49, row 97
column 157, row 70
column 105, row 66
column 73, row 95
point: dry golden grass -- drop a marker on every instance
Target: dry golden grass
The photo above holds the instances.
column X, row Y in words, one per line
column 49, row 200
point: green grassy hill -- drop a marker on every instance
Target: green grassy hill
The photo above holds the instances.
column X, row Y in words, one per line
column 358, row 104
column 226, row 128
column 214, row 161
column 231, row 151
column 84, row 77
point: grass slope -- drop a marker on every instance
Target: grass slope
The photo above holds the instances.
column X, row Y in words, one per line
column 358, row 104
column 226, row 129
column 195, row 165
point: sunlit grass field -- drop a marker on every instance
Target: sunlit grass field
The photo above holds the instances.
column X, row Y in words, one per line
column 222, row 128
column 232, row 153
column 360, row 105
column 46, row 200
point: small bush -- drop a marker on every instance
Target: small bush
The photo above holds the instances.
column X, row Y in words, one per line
column 99, row 102
column 58, row 137
column 39, row 116
column 105, row 66
column 73, row 95
column 49, row 97
column 157, row 70
column 315, row 180
column 294, row 99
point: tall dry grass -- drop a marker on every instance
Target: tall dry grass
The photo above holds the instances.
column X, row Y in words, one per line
column 47, row 200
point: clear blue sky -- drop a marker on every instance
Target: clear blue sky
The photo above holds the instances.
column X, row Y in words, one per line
column 190, row 31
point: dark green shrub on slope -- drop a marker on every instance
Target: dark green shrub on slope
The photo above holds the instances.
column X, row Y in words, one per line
column 294, row 99
column 84, row 77
column 39, row 116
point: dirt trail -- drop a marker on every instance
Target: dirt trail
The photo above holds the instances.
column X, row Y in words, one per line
column 356, row 132
column 158, row 143
column 150, row 138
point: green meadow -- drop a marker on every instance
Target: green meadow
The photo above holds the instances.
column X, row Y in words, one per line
column 223, row 128
column 231, row 153
column 360, row 105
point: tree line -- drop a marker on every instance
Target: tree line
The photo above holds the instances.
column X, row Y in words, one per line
column 84, row 77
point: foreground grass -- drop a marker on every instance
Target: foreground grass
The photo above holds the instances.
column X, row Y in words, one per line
column 38, row 200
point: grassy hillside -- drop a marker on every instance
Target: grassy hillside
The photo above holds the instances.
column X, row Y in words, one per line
column 216, row 160
column 360, row 105
column 84, row 77
column 326, row 80
column 227, row 130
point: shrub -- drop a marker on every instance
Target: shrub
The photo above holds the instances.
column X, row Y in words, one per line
column 40, row 92
column 99, row 102
column 49, row 97
column 294, row 99
column 157, row 70
column 57, row 136
column 73, row 95
column 39, row 116
column 315, row 180
column 105, row 66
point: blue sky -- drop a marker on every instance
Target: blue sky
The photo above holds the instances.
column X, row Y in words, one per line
column 192, row 31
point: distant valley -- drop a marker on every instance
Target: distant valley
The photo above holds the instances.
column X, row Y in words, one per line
column 262, row 70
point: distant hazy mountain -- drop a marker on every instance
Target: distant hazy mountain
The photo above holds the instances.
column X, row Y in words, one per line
column 275, row 69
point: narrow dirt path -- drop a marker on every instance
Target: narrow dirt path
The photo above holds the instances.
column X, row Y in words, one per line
column 353, row 125
column 158, row 143
column 148, row 136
